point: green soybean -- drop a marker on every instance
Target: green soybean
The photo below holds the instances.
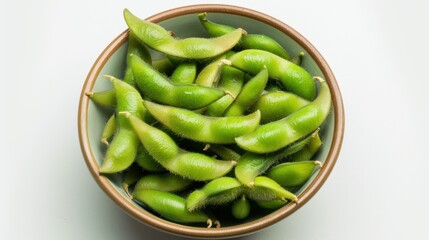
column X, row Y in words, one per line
column 197, row 127
column 108, row 130
column 293, row 174
column 170, row 206
column 278, row 105
column 266, row 189
column 217, row 192
column 273, row 204
column 278, row 134
column 297, row 59
column 249, row 94
column 160, row 39
column 147, row 162
column 240, row 208
column 123, row 148
column 249, row 41
column 293, row 77
column 251, row 164
column 163, row 149
column 156, row 86
column 131, row 176
column 105, row 98
column 185, row 73
column 165, row 182
column 135, row 48
column 231, row 80
column 308, row 151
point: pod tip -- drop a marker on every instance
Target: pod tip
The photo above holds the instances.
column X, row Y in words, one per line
column 209, row 223
column 89, row 94
column 104, row 141
column 217, row 223
column 320, row 79
column 318, row 163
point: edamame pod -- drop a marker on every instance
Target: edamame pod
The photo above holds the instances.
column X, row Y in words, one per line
column 249, row 94
column 266, row 189
column 108, row 130
column 277, row 105
column 298, row 58
column 147, row 162
column 210, row 74
column 249, row 41
column 185, row 73
column 165, row 182
column 163, row 149
column 240, row 208
column 224, row 152
column 293, row 77
column 197, row 127
column 308, row 151
column 273, row 204
column 170, row 206
column 293, row 174
column 131, row 176
column 156, row 86
column 251, row 164
column 217, row 192
column 163, row 65
column 160, row 39
column 105, row 98
column 123, row 148
column 135, row 48
column 231, row 80
column 278, row 134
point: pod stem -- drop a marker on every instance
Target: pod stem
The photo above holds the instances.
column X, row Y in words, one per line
column 104, row 141
column 320, row 79
column 125, row 187
column 206, row 147
column 230, row 94
column 125, row 114
column 209, row 223
column 89, row 94
column 313, row 135
column 318, row 163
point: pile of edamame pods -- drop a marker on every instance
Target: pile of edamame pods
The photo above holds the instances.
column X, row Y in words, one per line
column 229, row 120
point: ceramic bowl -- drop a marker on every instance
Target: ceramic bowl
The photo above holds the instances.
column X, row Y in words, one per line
column 184, row 22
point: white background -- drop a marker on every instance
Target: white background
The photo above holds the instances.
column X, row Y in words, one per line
column 378, row 51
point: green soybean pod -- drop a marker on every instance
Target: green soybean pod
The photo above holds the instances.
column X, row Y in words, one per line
column 108, row 130
column 298, row 58
column 251, row 164
column 135, row 48
column 231, row 80
column 266, row 189
column 293, row 77
column 308, row 151
column 123, row 148
column 160, row 39
column 201, row 128
column 248, row 41
column 165, row 182
column 105, row 98
column 163, row 65
column 163, row 149
column 278, row 134
column 147, row 162
column 224, row 152
column 293, row 174
column 185, row 73
column 240, row 208
column 210, row 74
column 273, row 204
column 131, row 176
column 170, row 206
column 217, row 192
column 277, row 105
column 158, row 87
column 249, row 94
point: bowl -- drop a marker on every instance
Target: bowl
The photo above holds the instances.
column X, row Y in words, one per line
column 183, row 20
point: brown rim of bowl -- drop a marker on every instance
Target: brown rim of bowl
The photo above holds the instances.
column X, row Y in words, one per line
column 224, row 232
